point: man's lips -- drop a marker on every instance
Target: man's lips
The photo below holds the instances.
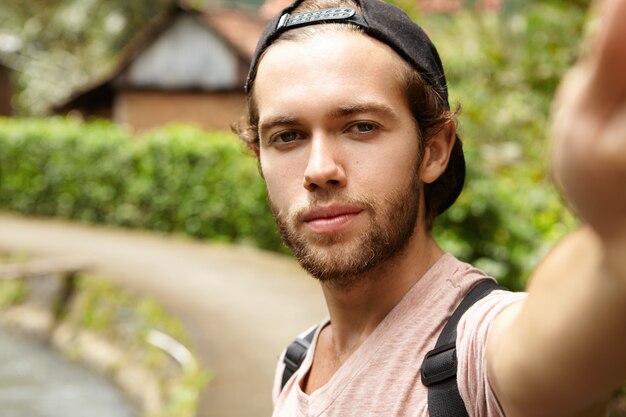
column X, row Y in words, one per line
column 331, row 218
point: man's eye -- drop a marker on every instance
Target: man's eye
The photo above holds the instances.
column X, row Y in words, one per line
column 285, row 137
column 363, row 127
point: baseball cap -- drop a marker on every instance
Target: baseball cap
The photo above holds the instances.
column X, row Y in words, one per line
column 391, row 26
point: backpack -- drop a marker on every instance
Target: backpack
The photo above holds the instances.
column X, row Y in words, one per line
column 439, row 365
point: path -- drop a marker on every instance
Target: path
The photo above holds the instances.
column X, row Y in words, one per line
column 239, row 305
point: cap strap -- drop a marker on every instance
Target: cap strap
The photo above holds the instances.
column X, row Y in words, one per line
column 338, row 15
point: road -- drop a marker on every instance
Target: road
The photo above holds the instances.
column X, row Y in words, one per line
column 240, row 306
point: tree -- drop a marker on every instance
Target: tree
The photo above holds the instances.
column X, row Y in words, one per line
column 65, row 43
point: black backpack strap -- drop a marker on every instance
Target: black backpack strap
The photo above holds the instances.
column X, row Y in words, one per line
column 295, row 354
column 440, row 364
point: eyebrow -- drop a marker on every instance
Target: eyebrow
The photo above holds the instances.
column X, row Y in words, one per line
column 364, row 107
column 278, row 121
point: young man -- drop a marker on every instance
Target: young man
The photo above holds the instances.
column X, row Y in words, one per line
column 348, row 115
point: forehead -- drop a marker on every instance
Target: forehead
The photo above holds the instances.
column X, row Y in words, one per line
column 335, row 63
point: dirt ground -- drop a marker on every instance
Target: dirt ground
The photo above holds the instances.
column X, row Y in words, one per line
column 241, row 306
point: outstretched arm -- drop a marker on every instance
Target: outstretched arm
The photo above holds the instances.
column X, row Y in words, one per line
column 563, row 352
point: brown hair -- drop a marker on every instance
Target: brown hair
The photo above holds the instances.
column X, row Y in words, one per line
column 430, row 113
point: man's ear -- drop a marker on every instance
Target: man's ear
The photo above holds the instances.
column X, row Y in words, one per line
column 437, row 153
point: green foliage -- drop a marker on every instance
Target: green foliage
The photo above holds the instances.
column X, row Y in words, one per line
column 125, row 320
column 55, row 167
column 104, row 308
column 12, row 292
column 505, row 70
column 184, row 395
column 66, row 43
column 176, row 179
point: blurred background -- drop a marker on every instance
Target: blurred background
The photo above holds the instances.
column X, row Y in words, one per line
column 117, row 113
column 147, row 64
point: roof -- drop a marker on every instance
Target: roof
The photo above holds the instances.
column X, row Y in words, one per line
column 242, row 28
column 238, row 27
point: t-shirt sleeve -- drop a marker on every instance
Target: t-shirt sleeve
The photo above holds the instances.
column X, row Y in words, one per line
column 472, row 333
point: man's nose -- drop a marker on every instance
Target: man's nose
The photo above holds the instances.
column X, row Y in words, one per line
column 324, row 168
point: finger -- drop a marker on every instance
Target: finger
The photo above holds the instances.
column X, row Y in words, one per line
column 610, row 75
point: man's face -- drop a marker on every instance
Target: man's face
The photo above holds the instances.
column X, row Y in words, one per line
column 339, row 152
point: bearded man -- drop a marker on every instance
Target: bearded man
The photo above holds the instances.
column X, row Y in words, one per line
column 349, row 118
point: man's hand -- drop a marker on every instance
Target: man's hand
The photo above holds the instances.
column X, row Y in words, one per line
column 561, row 352
column 589, row 129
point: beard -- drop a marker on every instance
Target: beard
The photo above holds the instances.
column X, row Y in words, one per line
column 341, row 263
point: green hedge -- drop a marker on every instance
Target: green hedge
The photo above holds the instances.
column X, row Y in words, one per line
column 175, row 179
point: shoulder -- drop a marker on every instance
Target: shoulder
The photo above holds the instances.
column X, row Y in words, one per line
column 303, row 342
column 472, row 335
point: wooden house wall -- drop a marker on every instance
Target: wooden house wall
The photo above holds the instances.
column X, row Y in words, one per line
column 143, row 109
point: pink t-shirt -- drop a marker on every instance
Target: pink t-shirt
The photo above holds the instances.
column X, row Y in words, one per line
column 382, row 377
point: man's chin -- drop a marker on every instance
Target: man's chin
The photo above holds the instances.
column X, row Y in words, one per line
column 332, row 261
column 330, row 248
column 324, row 243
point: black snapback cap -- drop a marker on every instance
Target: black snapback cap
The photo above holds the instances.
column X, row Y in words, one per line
column 391, row 26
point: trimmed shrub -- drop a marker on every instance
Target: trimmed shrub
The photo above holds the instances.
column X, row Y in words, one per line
column 175, row 179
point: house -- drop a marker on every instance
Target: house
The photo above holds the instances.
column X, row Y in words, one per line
column 188, row 66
